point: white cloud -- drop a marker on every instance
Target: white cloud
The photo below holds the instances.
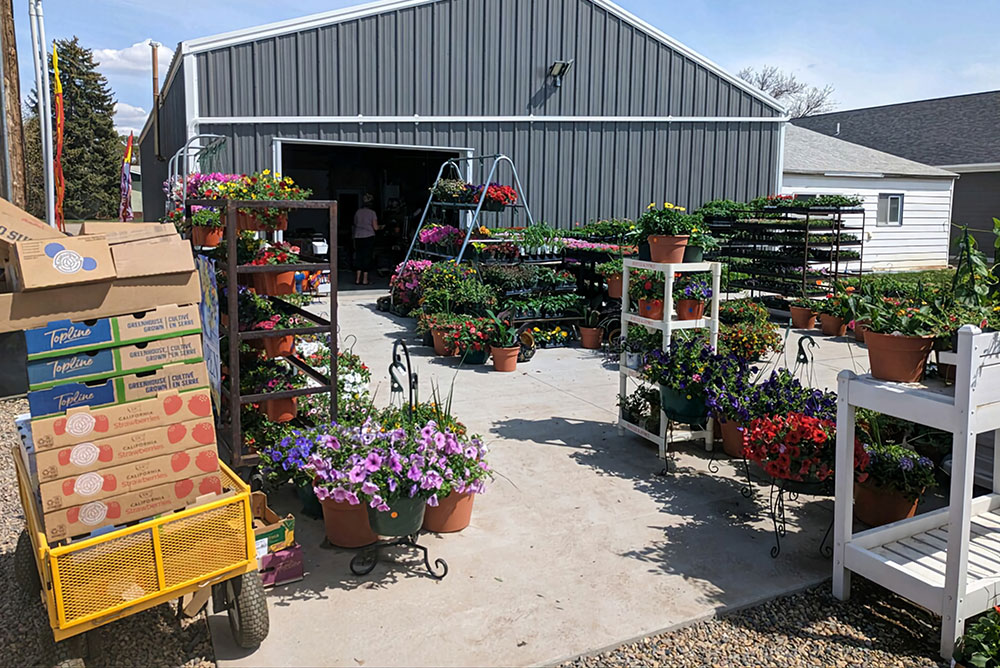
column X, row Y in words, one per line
column 129, row 118
column 132, row 60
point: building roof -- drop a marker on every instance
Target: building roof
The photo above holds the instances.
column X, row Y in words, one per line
column 950, row 131
column 808, row 152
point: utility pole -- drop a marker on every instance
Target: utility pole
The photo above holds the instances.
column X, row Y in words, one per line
column 13, row 131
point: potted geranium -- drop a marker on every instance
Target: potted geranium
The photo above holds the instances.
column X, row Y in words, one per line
column 680, row 372
column 889, row 483
column 834, row 312
column 278, row 346
column 690, row 293
column 979, row 646
column 275, row 282
column 700, row 241
column 611, row 271
column 495, row 196
column 899, row 338
column 646, row 288
column 803, row 313
column 666, row 230
column 504, row 345
column 591, row 335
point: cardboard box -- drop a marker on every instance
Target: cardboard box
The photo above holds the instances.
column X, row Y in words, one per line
column 114, row 480
column 24, row 310
column 61, row 337
column 83, row 424
column 53, row 263
column 281, row 567
column 118, row 233
column 165, row 255
column 130, row 507
column 122, row 389
column 18, row 225
column 108, row 451
column 111, row 362
column 272, row 533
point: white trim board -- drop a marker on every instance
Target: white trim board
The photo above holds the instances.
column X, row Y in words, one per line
column 276, row 120
column 972, row 167
column 382, row 6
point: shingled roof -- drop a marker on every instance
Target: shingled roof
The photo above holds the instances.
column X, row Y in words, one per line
column 959, row 130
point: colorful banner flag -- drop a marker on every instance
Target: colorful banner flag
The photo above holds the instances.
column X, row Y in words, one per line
column 60, row 182
column 125, row 206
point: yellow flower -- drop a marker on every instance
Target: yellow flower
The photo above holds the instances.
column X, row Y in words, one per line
column 693, row 229
column 668, row 205
column 680, row 208
column 652, row 205
column 277, row 175
column 266, row 171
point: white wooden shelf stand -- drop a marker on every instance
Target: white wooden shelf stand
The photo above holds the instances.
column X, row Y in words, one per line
column 948, row 560
column 667, row 326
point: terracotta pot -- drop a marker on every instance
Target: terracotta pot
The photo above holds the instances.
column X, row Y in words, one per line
column 441, row 347
column 280, row 410
column 505, row 359
column 453, row 513
column 206, row 237
column 250, row 221
column 876, row 505
column 615, row 286
column 802, row 317
column 279, row 346
column 832, row 325
column 591, row 337
column 897, row 358
column 347, row 525
column 689, row 309
column 859, row 332
column 651, row 308
column 667, row 249
column 274, row 283
column 732, row 438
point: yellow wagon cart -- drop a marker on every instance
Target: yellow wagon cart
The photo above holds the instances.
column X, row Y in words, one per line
column 91, row 582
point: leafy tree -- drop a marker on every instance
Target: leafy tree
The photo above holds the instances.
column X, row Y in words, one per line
column 799, row 98
column 92, row 151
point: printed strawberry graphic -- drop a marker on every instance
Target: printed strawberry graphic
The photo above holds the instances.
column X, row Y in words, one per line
column 203, row 433
column 110, row 483
column 207, row 461
column 73, row 514
column 59, row 426
column 183, row 488
column 200, row 405
column 101, row 423
column 64, row 457
column 176, row 432
column 179, row 461
column 107, row 454
column 69, row 486
column 172, row 404
column 209, row 485
column 114, row 510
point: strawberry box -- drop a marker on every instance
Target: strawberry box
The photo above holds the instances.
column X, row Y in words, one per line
column 128, row 507
column 122, row 389
column 109, row 451
column 82, row 424
column 114, row 480
column 61, row 337
column 110, row 362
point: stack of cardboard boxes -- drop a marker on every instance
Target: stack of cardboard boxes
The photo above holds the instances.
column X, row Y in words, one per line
column 121, row 426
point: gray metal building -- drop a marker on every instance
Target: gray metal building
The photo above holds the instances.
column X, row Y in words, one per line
column 371, row 98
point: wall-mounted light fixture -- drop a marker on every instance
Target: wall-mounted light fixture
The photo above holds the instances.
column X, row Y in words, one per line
column 558, row 70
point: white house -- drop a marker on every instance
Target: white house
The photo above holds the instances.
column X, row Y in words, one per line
column 907, row 204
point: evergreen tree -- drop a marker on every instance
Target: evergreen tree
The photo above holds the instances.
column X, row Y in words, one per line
column 92, row 152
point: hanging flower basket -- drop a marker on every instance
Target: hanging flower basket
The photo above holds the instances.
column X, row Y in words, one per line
column 204, row 236
column 682, row 407
column 280, row 410
column 404, row 517
column 689, row 309
column 274, row 283
column 279, row 346
column 667, row 249
column 896, row 358
column 252, row 221
column 453, row 513
column 347, row 525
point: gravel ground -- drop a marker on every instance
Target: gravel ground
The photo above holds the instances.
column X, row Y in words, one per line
column 154, row 637
column 874, row 628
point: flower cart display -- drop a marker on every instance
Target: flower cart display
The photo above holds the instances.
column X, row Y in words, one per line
column 943, row 560
column 665, row 327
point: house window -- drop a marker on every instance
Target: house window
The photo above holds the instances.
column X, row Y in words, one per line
column 890, row 209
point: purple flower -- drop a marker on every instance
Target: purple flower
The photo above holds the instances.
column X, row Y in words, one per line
column 374, row 462
column 357, row 474
column 414, row 473
column 392, row 484
column 395, row 463
column 369, row 488
column 906, row 464
column 471, row 452
column 433, row 501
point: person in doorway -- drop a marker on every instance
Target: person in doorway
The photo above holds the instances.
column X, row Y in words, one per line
column 365, row 227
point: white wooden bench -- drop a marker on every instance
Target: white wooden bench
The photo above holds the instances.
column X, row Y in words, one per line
column 947, row 561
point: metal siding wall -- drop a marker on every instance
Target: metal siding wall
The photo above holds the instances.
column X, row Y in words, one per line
column 173, row 134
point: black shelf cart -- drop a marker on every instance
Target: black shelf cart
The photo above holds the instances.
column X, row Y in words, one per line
column 230, row 429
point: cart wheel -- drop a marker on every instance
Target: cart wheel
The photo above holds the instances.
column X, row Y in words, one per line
column 248, row 618
column 25, row 567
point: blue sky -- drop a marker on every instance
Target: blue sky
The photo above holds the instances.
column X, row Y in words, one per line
column 871, row 52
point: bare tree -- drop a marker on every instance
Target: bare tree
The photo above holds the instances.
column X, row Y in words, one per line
column 798, row 97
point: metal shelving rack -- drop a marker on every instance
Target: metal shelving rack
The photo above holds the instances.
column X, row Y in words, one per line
column 668, row 325
column 230, row 428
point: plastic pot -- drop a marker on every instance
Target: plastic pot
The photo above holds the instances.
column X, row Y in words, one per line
column 900, row 359
column 667, row 249
column 876, row 505
column 682, row 407
column 802, row 317
column 206, row 237
column 732, row 438
column 279, row 346
column 651, row 308
column 441, row 347
column 633, row 360
column 311, row 506
column 347, row 525
column 471, row 356
column 274, row 283
column 832, row 325
column 644, row 251
column 689, row 309
column 694, row 254
column 280, row 410
column 505, row 359
column 403, row 518
column 452, row 513
column 591, row 337
column 615, row 286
